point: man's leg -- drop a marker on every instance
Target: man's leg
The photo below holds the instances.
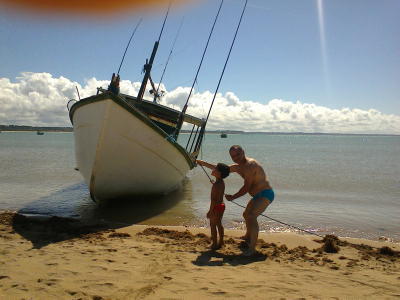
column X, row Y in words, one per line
column 253, row 210
column 246, row 237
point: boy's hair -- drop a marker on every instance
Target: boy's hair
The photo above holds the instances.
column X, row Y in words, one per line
column 223, row 169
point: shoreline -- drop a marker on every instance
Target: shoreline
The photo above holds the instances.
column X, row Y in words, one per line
column 66, row 259
column 373, row 237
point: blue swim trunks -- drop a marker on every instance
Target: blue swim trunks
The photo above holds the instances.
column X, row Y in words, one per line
column 269, row 194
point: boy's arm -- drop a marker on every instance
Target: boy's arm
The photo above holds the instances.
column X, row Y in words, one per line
column 234, row 168
column 205, row 164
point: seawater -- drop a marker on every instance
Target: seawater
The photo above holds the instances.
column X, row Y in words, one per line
column 348, row 185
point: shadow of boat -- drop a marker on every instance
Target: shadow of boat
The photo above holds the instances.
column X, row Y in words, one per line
column 44, row 224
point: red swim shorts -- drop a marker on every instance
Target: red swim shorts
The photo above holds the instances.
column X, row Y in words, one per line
column 220, row 207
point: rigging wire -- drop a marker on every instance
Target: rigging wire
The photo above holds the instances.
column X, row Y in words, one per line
column 298, row 228
column 165, row 20
column 127, row 46
column 179, row 124
column 169, row 56
column 227, row 59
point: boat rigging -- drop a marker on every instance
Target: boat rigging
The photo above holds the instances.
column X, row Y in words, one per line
column 157, row 94
column 149, row 63
column 180, row 121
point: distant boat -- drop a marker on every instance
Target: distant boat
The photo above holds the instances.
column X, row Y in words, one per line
column 39, row 132
column 224, row 135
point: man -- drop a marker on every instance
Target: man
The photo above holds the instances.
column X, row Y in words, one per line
column 258, row 186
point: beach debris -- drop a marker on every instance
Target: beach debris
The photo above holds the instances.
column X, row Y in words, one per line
column 166, row 233
column 119, row 235
column 331, row 244
column 6, row 218
column 385, row 250
column 177, row 237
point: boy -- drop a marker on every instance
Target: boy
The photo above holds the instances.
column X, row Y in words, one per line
column 217, row 206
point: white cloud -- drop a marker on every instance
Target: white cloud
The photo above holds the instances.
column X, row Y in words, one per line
column 40, row 99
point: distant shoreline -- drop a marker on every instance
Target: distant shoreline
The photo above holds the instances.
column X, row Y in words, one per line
column 23, row 128
column 17, row 128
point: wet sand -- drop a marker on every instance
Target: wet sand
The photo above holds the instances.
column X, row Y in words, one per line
column 64, row 259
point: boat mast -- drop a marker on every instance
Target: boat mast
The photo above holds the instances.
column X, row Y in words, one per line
column 149, row 63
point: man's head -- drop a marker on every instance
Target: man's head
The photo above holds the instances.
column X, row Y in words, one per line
column 221, row 171
column 237, row 154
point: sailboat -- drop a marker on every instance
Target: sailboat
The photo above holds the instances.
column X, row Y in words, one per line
column 127, row 146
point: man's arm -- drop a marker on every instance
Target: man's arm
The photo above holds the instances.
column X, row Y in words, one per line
column 205, row 164
column 243, row 190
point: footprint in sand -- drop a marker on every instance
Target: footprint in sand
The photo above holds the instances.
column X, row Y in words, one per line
column 100, row 268
column 121, row 272
column 49, row 282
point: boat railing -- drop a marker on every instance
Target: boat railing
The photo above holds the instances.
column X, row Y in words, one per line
column 195, row 139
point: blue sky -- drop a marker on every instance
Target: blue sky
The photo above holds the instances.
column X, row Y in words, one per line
column 334, row 54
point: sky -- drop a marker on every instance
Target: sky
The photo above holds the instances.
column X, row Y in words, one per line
column 296, row 66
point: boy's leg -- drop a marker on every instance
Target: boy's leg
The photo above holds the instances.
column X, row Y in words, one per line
column 220, row 231
column 213, row 226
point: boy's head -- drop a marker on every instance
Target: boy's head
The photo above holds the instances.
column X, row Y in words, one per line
column 223, row 170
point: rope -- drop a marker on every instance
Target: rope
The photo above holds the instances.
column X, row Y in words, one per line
column 169, row 57
column 310, row 232
column 207, row 174
column 165, row 20
column 227, row 59
column 298, row 228
column 180, row 120
column 127, row 46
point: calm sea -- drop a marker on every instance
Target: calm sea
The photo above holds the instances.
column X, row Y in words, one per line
column 340, row 184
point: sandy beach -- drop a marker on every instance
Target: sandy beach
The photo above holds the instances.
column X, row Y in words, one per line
column 63, row 259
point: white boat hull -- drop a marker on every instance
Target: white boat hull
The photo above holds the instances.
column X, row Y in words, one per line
column 120, row 155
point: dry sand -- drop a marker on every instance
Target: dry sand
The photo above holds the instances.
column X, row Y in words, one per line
column 62, row 259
